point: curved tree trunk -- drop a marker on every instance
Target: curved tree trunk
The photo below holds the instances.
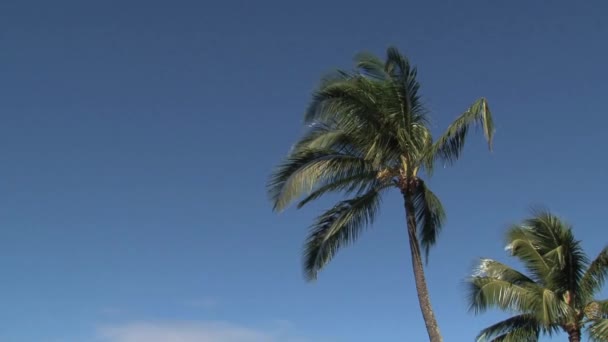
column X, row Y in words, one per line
column 423, row 292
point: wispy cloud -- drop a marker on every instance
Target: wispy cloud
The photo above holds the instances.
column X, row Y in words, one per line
column 192, row 332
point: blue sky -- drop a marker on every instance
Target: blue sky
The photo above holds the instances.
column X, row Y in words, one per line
column 136, row 138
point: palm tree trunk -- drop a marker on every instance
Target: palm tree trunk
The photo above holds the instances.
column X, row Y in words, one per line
column 574, row 335
column 423, row 292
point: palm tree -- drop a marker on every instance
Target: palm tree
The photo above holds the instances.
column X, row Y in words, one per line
column 368, row 132
column 558, row 292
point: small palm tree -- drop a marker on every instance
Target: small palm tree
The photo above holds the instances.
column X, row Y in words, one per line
column 558, row 292
column 368, row 132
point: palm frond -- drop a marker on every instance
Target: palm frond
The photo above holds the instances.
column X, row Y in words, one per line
column 326, row 135
column 521, row 335
column 338, row 227
column 397, row 64
column 595, row 276
column 522, row 245
column 361, row 108
column 419, row 142
column 449, row 146
column 371, row 66
column 352, row 101
column 357, row 184
column 549, row 233
column 598, row 330
column 497, row 270
column 554, row 240
column 528, row 298
column 603, row 304
column 596, row 310
column 520, row 328
column 430, row 216
column 300, row 173
column 552, row 308
column 403, row 73
column 486, row 293
column 405, row 87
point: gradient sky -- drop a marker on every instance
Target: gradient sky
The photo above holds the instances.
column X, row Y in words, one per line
column 136, row 138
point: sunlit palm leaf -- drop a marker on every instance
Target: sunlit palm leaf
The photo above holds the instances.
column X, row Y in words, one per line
column 552, row 308
column 486, row 293
column 357, row 184
column 493, row 269
column 545, row 305
column 598, row 330
column 302, row 172
column 553, row 239
column 324, row 136
column 522, row 244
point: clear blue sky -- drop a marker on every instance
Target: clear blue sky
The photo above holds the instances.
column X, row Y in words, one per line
column 136, row 138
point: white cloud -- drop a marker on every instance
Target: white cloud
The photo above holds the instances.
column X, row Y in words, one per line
column 191, row 332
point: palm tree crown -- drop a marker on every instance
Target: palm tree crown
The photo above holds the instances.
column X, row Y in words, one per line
column 558, row 292
column 368, row 132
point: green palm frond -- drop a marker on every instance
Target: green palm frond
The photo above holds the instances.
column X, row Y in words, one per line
column 519, row 335
column 420, row 141
column 371, row 66
column 552, row 308
column 397, row 65
column 405, row 76
column 356, row 184
column 603, row 304
column 429, row 216
column 544, row 304
column 520, row 328
column 598, row 330
column 353, row 101
column 522, row 244
column 361, row 109
column 549, row 233
column 328, row 136
column 404, row 87
column 338, row 227
column 486, row 293
column 595, row 276
column 554, row 241
column 302, row 172
column 493, row 269
column 449, row 146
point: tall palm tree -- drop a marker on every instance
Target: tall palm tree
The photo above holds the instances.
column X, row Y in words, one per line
column 368, row 132
column 558, row 292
